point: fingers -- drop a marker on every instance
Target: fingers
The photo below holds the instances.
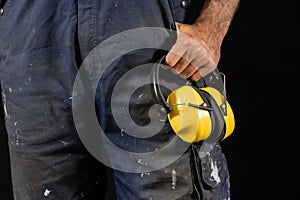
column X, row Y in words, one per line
column 196, row 76
column 189, row 59
column 175, row 54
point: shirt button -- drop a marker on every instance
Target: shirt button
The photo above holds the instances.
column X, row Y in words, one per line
column 1, row 11
column 184, row 4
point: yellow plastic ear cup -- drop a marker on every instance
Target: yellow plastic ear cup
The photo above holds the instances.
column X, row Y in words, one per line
column 189, row 123
column 229, row 117
column 196, row 114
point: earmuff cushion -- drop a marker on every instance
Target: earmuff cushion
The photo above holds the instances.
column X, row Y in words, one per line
column 217, row 118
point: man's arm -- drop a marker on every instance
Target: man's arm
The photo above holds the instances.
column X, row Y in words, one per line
column 197, row 50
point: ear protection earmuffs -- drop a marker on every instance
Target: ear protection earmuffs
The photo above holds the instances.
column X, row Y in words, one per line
column 196, row 114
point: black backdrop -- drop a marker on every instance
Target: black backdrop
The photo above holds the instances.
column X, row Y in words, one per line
column 259, row 60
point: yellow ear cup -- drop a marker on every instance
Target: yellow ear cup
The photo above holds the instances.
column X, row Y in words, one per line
column 194, row 113
column 189, row 123
column 229, row 117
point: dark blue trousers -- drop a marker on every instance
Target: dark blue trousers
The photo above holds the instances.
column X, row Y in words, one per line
column 42, row 46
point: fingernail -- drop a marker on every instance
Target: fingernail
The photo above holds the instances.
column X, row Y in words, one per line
column 168, row 59
column 175, row 72
column 164, row 66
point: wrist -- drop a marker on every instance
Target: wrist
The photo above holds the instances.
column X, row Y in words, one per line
column 213, row 34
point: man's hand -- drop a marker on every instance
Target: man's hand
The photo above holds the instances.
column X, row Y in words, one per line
column 194, row 54
column 197, row 50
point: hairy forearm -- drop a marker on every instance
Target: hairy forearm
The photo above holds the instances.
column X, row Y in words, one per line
column 215, row 19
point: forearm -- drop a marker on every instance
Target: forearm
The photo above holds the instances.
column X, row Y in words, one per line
column 215, row 19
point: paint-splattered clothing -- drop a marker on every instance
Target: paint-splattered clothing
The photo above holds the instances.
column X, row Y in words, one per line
column 42, row 45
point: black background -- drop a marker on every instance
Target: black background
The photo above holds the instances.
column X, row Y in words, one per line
column 259, row 59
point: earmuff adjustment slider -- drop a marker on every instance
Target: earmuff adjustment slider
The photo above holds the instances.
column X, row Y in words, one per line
column 193, row 105
column 200, row 107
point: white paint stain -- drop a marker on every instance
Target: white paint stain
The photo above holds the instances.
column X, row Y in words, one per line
column 64, row 143
column 47, row 192
column 145, row 174
column 141, row 162
column 4, row 105
column 215, row 172
column 28, row 81
column 174, row 179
